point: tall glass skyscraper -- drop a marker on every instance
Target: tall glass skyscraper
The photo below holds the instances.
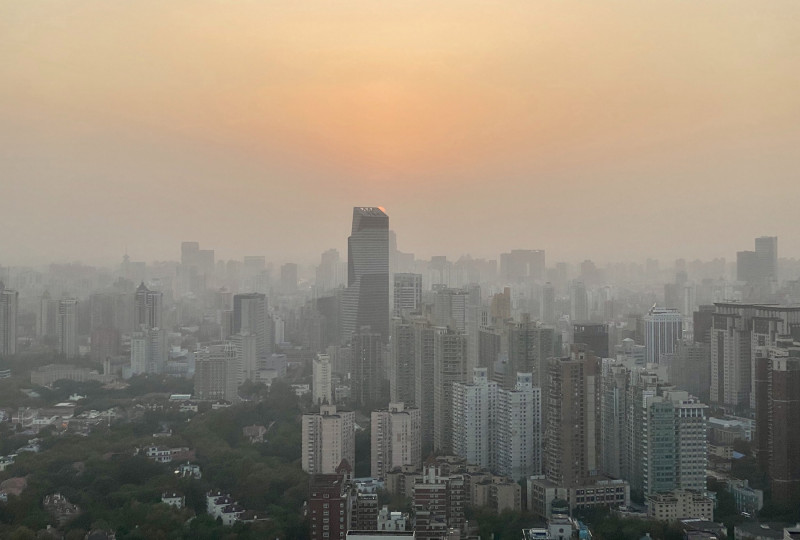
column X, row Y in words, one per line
column 366, row 300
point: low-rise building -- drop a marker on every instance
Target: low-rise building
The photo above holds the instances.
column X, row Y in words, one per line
column 173, row 499
column 60, row 508
column 680, row 504
column 593, row 492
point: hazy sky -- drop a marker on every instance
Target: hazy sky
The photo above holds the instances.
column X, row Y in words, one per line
column 600, row 129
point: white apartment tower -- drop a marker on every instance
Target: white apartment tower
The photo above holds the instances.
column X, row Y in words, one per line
column 67, row 326
column 396, row 439
column 216, row 373
column 328, row 438
column 473, row 410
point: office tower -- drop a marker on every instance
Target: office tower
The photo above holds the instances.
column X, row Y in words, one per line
column 500, row 306
column 573, row 418
column 579, row 302
column 518, row 429
column 217, row 372
column 689, row 368
column 449, row 366
column 247, row 359
column 474, row 404
column 450, row 309
column 613, row 408
column 328, row 438
column 148, row 351
column 663, row 328
column 147, row 306
column 67, row 326
column 395, row 439
column 674, row 448
column 522, row 264
column 367, row 368
column 321, row 384
column 731, row 354
column 289, row 277
column 9, row 300
column 46, row 316
column 402, row 368
column 250, row 317
column 548, row 304
column 365, row 302
column 594, row 336
column 423, row 378
column 777, row 411
column 767, row 258
column 407, row 295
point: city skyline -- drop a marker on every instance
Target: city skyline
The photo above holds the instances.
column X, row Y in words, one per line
column 555, row 127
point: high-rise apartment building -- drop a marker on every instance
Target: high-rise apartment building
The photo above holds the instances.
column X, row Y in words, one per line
column 449, row 367
column 424, row 378
column 216, row 373
column 474, row 407
column 289, row 277
column 328, row 439
column 395, row 442
column 147, row 308
column 518, row 429
column 365, row 302
column 450, row 308
column 9, row 299
column 777, row 410
column 573, row 418
column 246, row 356
column 767, row 258
column 67, row 326
column 321, row 383
column 548, row 304
column 149, row 351
column 407, row 293
column 402, row 367
column 367, row 367
column 594, row 336
column 579, row 302
column 529, row 346
column 250, row 317
column 663, row 329
column 46, row 316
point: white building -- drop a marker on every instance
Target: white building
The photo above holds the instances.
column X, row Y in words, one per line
column 472, row 418
column 328, row 438
column 246, row 345
column 321, row 384
column 396, row 439
column 148, row 351
column 216, row 374
column 663, row 329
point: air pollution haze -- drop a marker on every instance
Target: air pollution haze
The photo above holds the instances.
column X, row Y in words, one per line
column 609, row 130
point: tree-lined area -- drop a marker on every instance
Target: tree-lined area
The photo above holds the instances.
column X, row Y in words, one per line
column 118, row 490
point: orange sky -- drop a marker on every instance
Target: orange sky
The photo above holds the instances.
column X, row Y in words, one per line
column 610, row 130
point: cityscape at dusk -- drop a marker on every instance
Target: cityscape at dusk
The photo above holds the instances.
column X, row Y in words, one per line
column 399, row 270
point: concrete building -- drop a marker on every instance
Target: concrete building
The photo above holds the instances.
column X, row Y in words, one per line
column 449, row 367
column 321, row 382
column 402, row 362
column 9, row 300
column 246, row 345
column 680, row 504
column 407, row 293
column 250, row 317
column 328, row 439
column 594, row 336
column 217, row 373
column 474, row 407
column 450, row 309
column 518, row 429
column 365, row 301
column 147, row 308
column 67, row 327
column 148, row 351
column 395, row 439
column 663, row 329
column 523, row 264
column 424, row 389
column 777, row 411
column 367, row 367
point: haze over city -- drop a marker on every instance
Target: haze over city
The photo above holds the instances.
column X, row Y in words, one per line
column 605, row 130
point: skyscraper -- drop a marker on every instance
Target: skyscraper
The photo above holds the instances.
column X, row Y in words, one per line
column 402, row 363
column 407, row 293
column 663, row 329
column 594, row 336
column 250, row 317
column 67, row 326
column 767, row 258
column 8, row 320
column 321, row 387
column 367, row 368
column 217, row 372
column 366, row 300
column 147, row 305
column 449, row 367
